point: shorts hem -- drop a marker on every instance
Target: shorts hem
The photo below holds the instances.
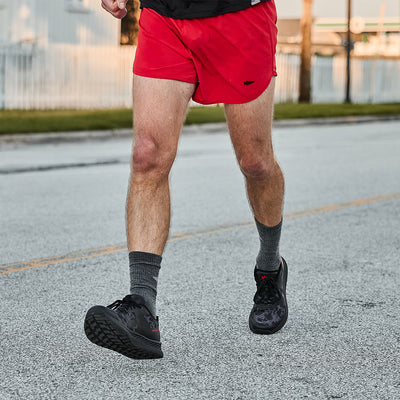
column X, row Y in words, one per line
column 235, row 99
column 151, row 74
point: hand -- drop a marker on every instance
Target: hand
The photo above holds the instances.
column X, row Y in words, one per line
column 117, row 8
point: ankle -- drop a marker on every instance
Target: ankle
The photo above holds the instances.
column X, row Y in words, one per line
column 144, row 270
column 268, row 258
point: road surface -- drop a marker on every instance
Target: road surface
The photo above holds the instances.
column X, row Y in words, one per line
column 63, row 250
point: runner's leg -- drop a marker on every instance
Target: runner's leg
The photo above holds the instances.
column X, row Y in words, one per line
column 250, row 126
column 130, row 326
column 159, row 108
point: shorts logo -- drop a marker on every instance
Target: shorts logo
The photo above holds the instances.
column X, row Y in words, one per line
column 247, row 83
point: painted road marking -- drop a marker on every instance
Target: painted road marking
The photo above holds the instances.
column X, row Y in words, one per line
column 106, row 250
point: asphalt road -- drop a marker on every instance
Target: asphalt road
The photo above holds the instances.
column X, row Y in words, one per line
column 62, row 250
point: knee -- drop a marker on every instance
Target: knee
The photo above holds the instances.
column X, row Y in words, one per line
column 148, row 158
column 257, row 168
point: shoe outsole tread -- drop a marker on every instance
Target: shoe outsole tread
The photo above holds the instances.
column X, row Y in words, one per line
column 106, row 333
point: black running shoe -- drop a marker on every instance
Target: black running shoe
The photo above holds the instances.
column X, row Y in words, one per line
column 125, row 326
column 270, row 310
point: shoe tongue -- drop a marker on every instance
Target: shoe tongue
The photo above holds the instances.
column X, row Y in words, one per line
column 135, row 298
column 262, row 275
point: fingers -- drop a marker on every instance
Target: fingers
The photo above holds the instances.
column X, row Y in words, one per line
column 122, row 4
column 115, row 8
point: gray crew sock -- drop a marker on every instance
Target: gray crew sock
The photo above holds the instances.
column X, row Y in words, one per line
column 268, row 258
column 144, row 269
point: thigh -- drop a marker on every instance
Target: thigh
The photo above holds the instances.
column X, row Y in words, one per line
column 159, row 110
column 250, row 125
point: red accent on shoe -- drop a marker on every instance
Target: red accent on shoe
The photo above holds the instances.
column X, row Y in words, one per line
column 264, row 277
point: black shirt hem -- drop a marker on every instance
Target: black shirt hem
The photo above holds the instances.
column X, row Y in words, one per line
column 190, row 13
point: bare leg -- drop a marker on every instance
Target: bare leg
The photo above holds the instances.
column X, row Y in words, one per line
column 250, row 129
column 159, row 108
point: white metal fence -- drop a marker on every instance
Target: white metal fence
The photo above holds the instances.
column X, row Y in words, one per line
column 372, row 80
column 65, row 76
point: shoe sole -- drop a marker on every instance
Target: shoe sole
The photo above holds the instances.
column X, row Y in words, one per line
column 107, row 333
column 265, row 331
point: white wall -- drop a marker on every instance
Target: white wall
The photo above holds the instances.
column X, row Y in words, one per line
column 44, row 22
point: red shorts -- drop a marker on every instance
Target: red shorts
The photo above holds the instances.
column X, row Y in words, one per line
column 230, row 58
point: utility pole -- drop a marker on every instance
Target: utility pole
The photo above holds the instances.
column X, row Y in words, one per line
column 348, row 51
column 305, row 63
column 130, row 23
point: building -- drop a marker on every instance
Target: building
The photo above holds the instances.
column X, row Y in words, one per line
column 62, row 54
column 43, row 22
column 372, row 37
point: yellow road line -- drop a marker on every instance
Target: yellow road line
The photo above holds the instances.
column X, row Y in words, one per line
column 106, row 250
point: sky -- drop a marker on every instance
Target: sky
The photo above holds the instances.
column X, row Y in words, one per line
column 338, row 8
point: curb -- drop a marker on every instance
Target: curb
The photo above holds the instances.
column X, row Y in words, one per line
column 362, row 119
column 76, row 136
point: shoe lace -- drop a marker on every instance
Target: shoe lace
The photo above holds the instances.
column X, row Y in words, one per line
column 267, row 293
column 123, row 305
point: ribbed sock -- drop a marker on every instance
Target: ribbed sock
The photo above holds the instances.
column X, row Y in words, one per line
column 268, row 258
column 144, row 269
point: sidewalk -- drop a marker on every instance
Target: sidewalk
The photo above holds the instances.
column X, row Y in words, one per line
column 57, row 137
